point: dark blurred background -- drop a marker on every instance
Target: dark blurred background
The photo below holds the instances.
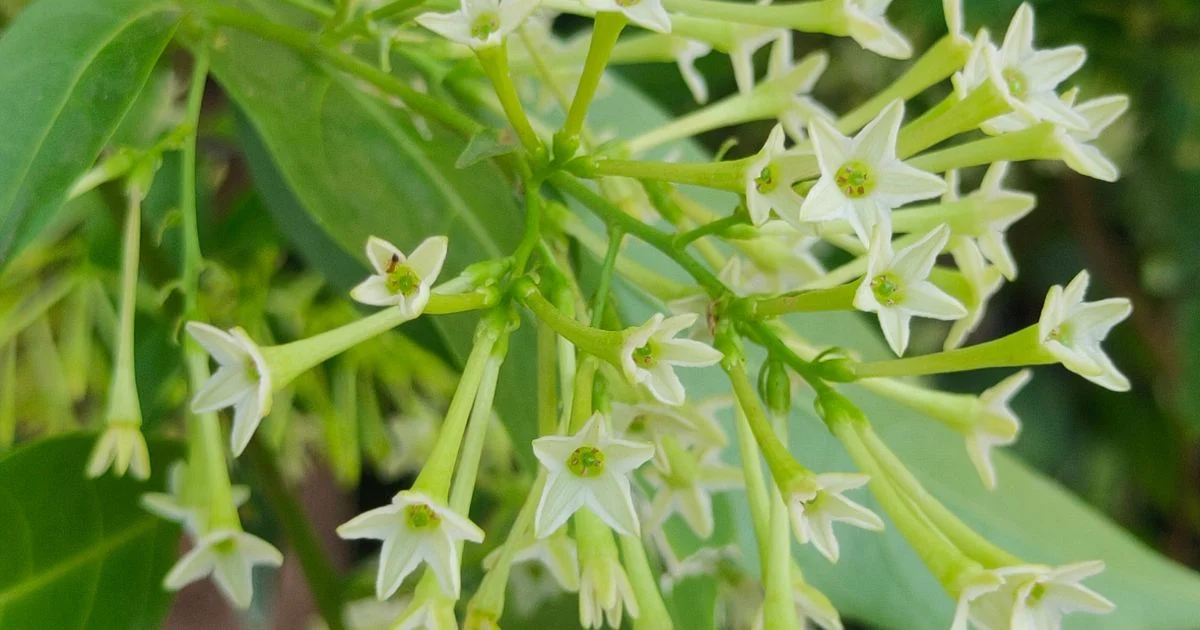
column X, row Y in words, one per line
column 1134, row 456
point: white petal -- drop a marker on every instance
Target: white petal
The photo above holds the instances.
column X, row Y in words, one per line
column 381, row 253
column 824, row 202
column 232, row 575
column 1089, row 161
column 228, row 385
column 832, row 148
column 195, row 565
column 649, row 14
column 441, row 554
column 900, row 183
column 1018, row 39
column 379, row 523
column 427, row 259
column 665, row 385
column 218, row 343
column 880, row 38
column 454, row 26
column 688, row 353
column 374, row 291
column 895, row 329
column 397, row 559
column 914, row 263
column 611, row 500
column 866, row 215
column 247, row 415
column 561, row 498
column 876, row 143
column 926, row 300
column 696, row 508
column 1047, row 68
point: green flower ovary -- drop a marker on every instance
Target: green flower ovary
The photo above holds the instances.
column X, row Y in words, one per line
column 401, row 278
column 484, row 25
column 586, row 461
column 767, row 180
column 1036, row 594
column 886, row 289
column 645, row 356
column 1017, row 84
column 421, row 516
column 855, row 179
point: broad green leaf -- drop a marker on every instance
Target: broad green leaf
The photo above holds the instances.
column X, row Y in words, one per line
column 80, row 553
column 878, row 578
column 69, row 71
column 343, row 164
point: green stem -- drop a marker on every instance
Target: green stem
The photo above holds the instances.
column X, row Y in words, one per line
column 547, row 379
column 607, row 28
column 1017, row 349
column 820, row 16
column 477, row 425
column 1034, row 143
column 756, row 486
column 839, row 298
column 320, row 573
column 719, row 175
column 488, row 601
column 652, row 610
column 784, row 468
column 601, row 343
column 494, row 60
column 615, row 236
column 715, row 227
column 533, row 226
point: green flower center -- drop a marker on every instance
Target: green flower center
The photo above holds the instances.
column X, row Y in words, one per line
column 637, row 425
column 1037, row 593
column 628, row 3
column 767, row 180
column 421, row 516
column 485, row 25
column 1018, row 85
column 886, row 289
column 226, row 547
column 586, row 461
column 855, row 179
column 1060, row 333
column 401, row 278
column 645, row 356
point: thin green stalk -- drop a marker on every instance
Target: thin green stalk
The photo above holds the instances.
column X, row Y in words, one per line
column 756, row 486
column 494, row 60
column 719, row 175
column 652, row 610
column 1015, row 350
column 783, row 466
column 601, row 343
column 607, row 28
column 709, row 229
column 477, row 426
column 615, row 236
column 839, row 298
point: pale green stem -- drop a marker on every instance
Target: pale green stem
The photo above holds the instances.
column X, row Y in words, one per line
column 951, row 117
column 1034, row 143
column 601, row 343
column 477, row 426
column 719, row 175
column 840, row 298
column 652, row 610
column 494, row 60
column 779, row 608
column 488, row 600
column 732, row 110
column 784, row 468
column 820, row 16
column 1017, row 349
column 547, row 379
column 607, row 28
column 756, row 487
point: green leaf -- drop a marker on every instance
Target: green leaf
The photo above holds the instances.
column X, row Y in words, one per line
column 337, row 163
column 879, row 579
column 69, row 71
column 80, row 553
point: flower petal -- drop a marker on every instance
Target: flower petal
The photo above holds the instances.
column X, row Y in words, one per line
column 374, row 292
column 824, row 202
column 926, row 300
column 226, row 387
column 218, row 343
column 427, row 259
column 876, row 143
column 561, row 498
column 1047, row 68
column 688, row 353
column 611, row 500
column 895, row 329
column 900, row 183
column 397, row 559
column 832, row 148
column 381, row 253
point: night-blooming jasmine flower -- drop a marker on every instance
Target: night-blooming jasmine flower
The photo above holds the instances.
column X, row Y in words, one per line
column 479, row 23
column 230, row 556
column 242, row 380
column 797, row 79
column 982, row 280
column 121, row 447
column 426, row 612
column 1037, row 597
column 769, row 180
column 1071, row 330
column 176, row 506
column 651, row 351
column 814, row 513
column 994, row 424
column 692, row 423
column 557, row 553
column 782, row 257
column 1029, row 77
column 1011, row 206
column 862, row 180
column 1077, row 152
column 648, row 14
column 702, row 306
column 589, row 469
column 685, row 483
column 748, row 38
column 605, row 593
column 414, row 529
column 869, row 27
column 896, row 286
column 399, row 280
column 811, row 605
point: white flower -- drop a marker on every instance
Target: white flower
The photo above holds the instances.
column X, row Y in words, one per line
column 648, row 14
column 769, row 179
column 399, row 280
column 861, row 179
column 242, row 381
column 811, row 605
column 685, row 482
column 1077, row 151
column 994, row 424
column 414, row 529
column 176, row 506
column 427, row 612
column 605, row 593
column 651, row 351
column 1071, row 330
column 999, row 209
column 691, row 423
column 1028, row 77
column 814, row 513
column 479, row 23
column 747, row 39
column 588, row 469
column 982, row 280
column 869, row 27
column 121, row 447
column 797, row 81
column 782, row 258
column 230, row 556
column 1036, row 597
column 686, row 52
column 896, row 287
column 542, row 570
column 701, row 304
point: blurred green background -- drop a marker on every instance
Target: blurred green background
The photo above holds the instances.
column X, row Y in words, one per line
column 1135, row 456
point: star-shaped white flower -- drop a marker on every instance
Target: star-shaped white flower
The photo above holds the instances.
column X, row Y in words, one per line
column 685, row 483
column 691, row 423
column 811, row 605
column 605, row 593
column 648, row 14
column 479, row 23
column 242, row 381
column 1071, row 330
column 1077, row 151
column 1036, row 597
column 1000, row 208
column 589, row 469
column 230, row 556
column 994, row 424
column 813, row 514
column 399, row 280
column 651, row 352
column 769, row 179
column 982, row 280
column 782, row 257
column 862, row 180
column 869, row 27
column 796, row 80
column 121, row 447
column 426, row 612
column 896, row 287
column 414, row 529
column 1028, row 77
column 176, row 506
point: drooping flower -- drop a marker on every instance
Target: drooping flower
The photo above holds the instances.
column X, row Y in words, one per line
column 414, row 529
column 868, row 25
column 648, row 14
column 651, row 351
column 121, row 447
column 813, row 514
column 1037, row 597
column 589, row 469
column 1077, row 151
column 982, row 282
column 177, row 506
column 1071, row 330
column 479, row 23
column 1014, row 205
column 242, row 380
column 896, row 287
column 685, row 483
column 862, row 180
column 400, row 280
column 769, row 180
column 230, row 556
column 994, row 424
